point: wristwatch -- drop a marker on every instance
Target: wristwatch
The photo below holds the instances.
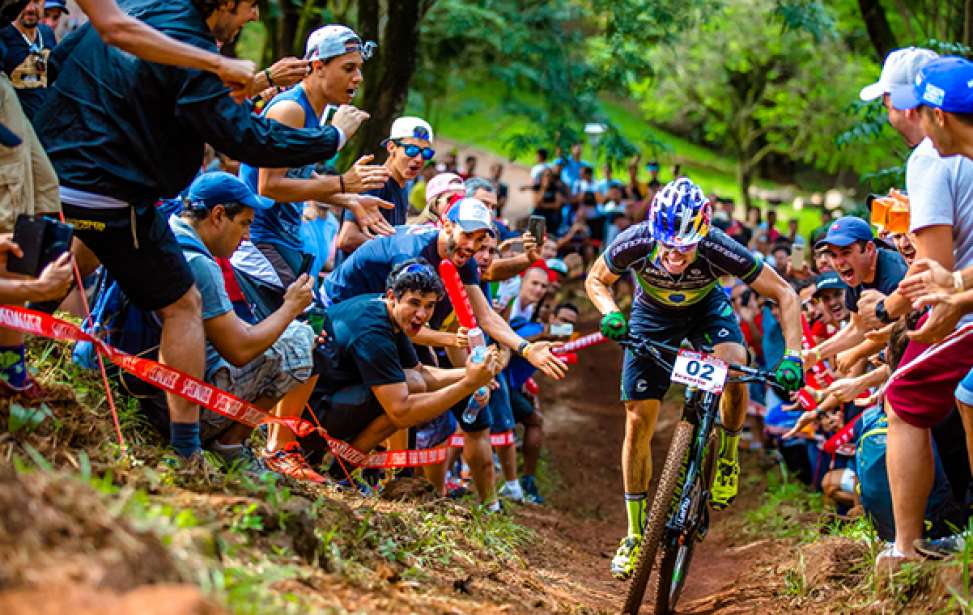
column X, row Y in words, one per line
column 880, row 312
column 522, row 347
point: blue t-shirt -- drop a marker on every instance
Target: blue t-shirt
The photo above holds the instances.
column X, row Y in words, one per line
column 367, row 269
column 363, row 347
column 23, row 63
column 281, row 224
column 209, row 282
column 118, row 126
column 317, row 236
column 890, row 268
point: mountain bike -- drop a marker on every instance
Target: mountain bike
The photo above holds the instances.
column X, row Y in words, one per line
column 679, row 515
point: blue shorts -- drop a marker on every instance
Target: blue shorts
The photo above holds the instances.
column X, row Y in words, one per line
column 502, row 413
column 707, row 323
column 964, row 390
column 521, row 405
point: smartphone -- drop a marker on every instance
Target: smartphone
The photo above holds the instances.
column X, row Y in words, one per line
column 307, row 261
column 537, row 226
column 42, row 241
column 798, row 261
column 564, row 329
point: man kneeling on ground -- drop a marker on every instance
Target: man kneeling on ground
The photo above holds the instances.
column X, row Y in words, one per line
column 372, row 383
column 264, row 363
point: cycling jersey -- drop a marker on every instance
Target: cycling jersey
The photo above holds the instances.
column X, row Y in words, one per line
column 717, row 255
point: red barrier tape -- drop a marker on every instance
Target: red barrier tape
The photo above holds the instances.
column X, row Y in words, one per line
column 221, row 402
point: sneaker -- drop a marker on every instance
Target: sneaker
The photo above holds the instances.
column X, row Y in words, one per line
column 512, row 493
column 531, row 494
column 941, row 548
column 626, row 557
column 240, row 458
column 289, row 461
column 889, row 561
column 725, row 484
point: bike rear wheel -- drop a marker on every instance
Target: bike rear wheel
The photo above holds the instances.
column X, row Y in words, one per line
column 659, row 514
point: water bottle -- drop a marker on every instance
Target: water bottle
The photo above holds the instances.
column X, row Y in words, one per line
column 478, row 352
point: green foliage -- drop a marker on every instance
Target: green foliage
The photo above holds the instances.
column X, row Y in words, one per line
column 780, row 514
column 27, row 418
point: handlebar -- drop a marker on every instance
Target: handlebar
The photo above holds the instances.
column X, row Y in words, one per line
column 653, row 349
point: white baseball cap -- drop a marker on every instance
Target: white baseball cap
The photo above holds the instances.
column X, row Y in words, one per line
column 899, row 71
column 471, row 215
column 335, row 40
column 409, row 127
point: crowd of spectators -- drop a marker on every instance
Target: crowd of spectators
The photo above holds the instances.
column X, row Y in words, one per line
column 210, row 195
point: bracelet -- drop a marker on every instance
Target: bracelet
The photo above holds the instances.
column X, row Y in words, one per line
column 270, row 80
column 817, row 355
column 341, row 182
column 958, row 281
column 522, row 348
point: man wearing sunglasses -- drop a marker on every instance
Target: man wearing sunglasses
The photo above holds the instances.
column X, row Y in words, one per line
column 409, row 148
column 29, row 43
column 677, row 260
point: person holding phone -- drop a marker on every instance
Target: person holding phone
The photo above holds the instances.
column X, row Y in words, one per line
column 262, row 363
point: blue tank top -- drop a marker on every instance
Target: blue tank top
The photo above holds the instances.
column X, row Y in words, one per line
column 281, row 224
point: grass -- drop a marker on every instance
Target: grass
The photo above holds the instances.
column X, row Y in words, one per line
column 784, row 510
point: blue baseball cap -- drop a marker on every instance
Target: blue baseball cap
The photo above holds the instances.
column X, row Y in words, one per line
column 946, row 83
column 57, row 4
column 845, row 231
column 221, row 188
column 830, row 280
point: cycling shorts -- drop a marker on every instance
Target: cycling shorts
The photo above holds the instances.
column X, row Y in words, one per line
column 706, row 323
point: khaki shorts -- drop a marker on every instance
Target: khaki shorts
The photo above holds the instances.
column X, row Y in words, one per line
column 28, row 184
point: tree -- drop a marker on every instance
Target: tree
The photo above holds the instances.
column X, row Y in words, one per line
column 879, row 31
column 759, row 80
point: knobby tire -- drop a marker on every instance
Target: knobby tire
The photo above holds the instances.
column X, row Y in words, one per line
column 658, row 515
column 663, row 593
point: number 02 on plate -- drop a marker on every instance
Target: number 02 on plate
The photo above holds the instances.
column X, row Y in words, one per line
column 702, row 371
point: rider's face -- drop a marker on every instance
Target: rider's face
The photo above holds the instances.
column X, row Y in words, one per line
column 676, row 260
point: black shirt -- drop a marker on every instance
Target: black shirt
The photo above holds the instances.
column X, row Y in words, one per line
column 393, row 193
column 119, row 126
column 27, row 65
column 890, row 268
column 363, row 347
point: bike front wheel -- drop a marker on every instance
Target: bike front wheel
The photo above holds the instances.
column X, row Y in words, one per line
column 662, row 505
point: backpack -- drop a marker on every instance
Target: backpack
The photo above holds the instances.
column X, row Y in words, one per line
column 942, row 514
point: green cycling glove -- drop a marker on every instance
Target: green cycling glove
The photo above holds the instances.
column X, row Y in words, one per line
column 790, row 372
column 613, row 326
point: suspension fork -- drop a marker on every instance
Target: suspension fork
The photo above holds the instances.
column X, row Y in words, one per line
column 706, row 411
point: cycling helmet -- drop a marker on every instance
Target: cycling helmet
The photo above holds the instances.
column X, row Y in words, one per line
column 680, row 214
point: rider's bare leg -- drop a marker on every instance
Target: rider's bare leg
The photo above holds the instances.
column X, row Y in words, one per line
column 640, row 419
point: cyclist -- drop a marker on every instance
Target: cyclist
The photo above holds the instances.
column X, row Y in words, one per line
column 676, row 260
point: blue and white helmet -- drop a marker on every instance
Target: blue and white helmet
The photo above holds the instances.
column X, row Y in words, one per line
column 680, row 214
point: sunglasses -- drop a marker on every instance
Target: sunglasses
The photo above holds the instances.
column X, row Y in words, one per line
column 413, row 150
column 680, row 249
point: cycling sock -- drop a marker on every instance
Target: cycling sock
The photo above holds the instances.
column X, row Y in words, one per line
column 12, row 367
column 184, row 437
column 729, row 444
column 635, row 504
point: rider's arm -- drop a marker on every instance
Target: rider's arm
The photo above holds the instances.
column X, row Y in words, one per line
column 598, row 285
column 769, row 284
column 273, row 183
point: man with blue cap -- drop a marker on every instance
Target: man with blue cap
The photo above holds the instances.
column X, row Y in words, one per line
column 943, row 92
column 260, row 363
column 864, row 266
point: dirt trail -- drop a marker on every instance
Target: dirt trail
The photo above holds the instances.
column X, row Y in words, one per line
column 584, row 427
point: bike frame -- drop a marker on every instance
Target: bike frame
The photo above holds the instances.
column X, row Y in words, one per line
column 701, row 409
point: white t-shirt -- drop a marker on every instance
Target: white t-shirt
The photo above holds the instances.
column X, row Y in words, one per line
column 941, row 192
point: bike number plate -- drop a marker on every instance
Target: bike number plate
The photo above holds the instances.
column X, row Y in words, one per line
column 704, row 372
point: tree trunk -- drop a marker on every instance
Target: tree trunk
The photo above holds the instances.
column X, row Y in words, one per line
column 286, row 43
column 388, row 74
column 879, row 31
column 744, row 180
